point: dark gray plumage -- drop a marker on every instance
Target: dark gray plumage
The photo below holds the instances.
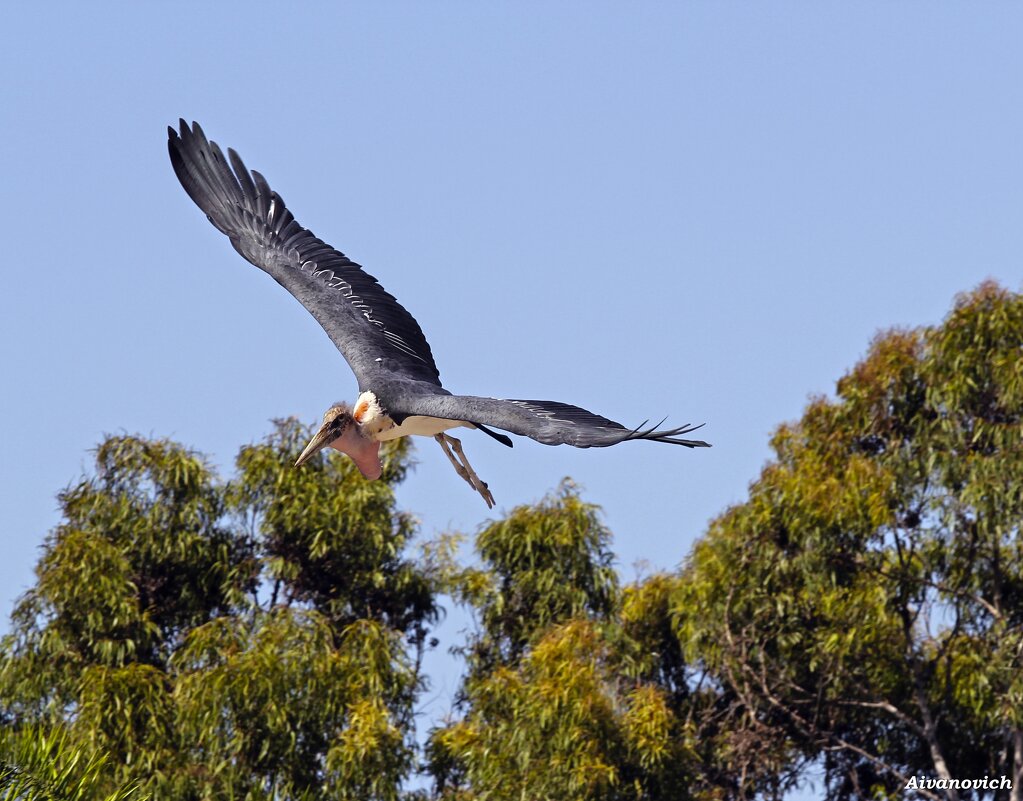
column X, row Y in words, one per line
column 365, row 322
column 549, row 422
column 381, row 341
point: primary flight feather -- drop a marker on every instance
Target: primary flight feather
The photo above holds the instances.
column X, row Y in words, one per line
column 399, row 383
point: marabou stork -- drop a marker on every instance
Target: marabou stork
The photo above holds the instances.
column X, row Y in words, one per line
column 400, row 387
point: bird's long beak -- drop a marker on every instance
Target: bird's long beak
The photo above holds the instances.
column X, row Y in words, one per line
column 319, row 441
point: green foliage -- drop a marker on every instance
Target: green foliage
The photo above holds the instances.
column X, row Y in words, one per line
column 557, row 727
column 545, row 563
column 141, row 555
column 864, row 603
column 561, row 700
column 261, row 639
column 287, row 704
column 331, row 539
column 244, row 640
column 45, row 766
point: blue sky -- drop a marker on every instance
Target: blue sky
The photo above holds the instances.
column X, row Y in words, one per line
column 700, row 210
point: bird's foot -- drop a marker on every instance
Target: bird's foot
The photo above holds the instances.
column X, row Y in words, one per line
column 463, row 468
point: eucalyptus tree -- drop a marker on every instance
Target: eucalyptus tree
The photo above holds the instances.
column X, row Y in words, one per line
column 261, row 638
column 253, row 639
column 865, row 604
column 574, row 685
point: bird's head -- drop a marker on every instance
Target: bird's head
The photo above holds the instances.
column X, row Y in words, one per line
column 341, row 432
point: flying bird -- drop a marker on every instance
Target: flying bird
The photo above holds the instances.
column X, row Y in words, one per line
column 399, row 384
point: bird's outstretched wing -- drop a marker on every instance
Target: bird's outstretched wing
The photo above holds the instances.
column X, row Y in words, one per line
column 548, row 422
column 369, row 327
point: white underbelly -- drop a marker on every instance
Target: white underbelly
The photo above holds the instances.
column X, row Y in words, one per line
column 420, row 426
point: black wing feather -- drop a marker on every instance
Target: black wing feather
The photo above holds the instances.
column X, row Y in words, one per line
column 370, row 328
column 548, row 422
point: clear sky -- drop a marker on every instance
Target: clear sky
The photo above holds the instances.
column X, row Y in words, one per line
column 701, row 210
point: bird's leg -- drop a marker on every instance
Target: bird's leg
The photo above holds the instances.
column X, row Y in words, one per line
column 478, row 483
column 463, row 468
column 443, row 440
column 481, row 486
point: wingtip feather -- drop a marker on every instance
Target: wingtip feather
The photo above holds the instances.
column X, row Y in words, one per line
column 671, row 435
